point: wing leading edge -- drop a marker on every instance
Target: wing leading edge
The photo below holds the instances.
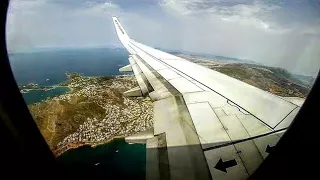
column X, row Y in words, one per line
column 208, row 117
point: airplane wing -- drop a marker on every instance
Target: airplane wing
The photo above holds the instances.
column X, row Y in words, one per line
column 207, row 125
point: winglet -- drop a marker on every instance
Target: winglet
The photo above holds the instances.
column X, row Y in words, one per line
column 123, row 36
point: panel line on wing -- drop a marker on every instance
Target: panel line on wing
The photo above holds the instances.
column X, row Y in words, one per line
column 236, row 106
column 243, row 140
column 231, row 140
column 285, row 117
column 250, row 136
column 173, row 70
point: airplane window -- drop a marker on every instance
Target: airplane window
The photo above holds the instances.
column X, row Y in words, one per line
column 136, row 89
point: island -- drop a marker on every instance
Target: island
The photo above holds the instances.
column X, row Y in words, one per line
column 34, row 86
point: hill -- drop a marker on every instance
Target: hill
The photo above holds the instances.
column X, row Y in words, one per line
column 272, row 79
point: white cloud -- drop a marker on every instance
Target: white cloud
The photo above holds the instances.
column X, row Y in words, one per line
column 25, row 5
column 250, row 30
column 101, row 9
column 44, row 23
column 246, row 31
column 245, row 14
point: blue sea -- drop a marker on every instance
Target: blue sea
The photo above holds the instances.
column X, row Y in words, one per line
column 114, row 159
column 49, row 67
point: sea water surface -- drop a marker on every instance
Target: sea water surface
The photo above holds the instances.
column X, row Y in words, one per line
column 116, row 159
column 48, row 67
column 34, row 96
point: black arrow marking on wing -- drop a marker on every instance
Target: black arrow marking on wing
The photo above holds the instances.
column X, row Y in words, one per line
column 222, row 166
column 269, row 149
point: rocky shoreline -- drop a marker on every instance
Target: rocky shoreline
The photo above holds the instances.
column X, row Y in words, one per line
column 61, row 150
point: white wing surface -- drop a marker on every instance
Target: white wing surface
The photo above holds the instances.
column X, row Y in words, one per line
column 207, row 125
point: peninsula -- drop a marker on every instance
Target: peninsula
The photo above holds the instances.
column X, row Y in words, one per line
column 94, row 112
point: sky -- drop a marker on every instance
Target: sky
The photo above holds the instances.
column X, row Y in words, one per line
column 281, row 33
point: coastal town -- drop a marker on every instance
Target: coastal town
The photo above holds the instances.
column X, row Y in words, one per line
column 118, row 122
column 94, row 112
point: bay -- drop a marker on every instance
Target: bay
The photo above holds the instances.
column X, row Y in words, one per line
column 37, row 67
column 48, row 67
column 114, row 160
column 35, row 96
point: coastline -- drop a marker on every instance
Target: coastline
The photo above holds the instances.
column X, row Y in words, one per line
column 97, row 103
column 71, row 89
column 59, row 86
column 34, row 96
column 75, row 145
